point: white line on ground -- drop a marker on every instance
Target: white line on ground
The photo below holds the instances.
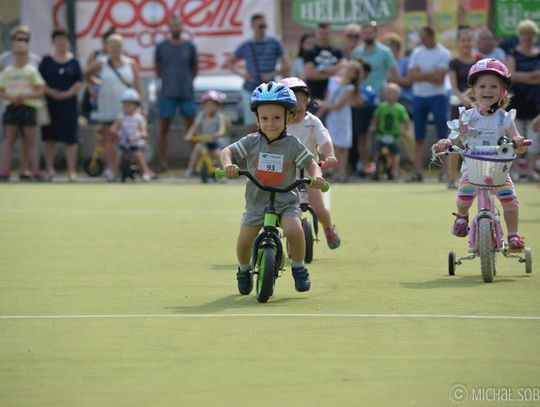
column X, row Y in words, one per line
column 366, row 316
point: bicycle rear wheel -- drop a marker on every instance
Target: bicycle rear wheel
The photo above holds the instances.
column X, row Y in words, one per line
column 308, row 236
column 486, row 248
column 266, row 274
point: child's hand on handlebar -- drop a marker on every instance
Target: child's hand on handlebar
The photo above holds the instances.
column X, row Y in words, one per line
column 517, row 141
column 231, row 170
column 331, row 162
column 318, row 182
column 442, row 145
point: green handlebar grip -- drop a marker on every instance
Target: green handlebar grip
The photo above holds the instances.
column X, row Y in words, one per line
column 219, row 173
column 324, row 188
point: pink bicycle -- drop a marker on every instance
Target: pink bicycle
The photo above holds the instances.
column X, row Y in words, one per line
column 487, row 168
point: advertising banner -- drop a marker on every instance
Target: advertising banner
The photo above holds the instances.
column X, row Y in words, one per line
column 215, row 26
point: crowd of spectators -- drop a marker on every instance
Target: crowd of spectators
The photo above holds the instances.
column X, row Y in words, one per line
column 346, row 86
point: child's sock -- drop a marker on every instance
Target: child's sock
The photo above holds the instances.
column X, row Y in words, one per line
column 296, row 264
column 244, row 267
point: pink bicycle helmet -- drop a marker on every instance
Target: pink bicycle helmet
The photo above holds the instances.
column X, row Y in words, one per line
column 294, row 83
column 213, row 96
column 489, row 65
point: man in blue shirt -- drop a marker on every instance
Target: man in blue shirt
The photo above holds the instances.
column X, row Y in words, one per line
column 176, row 65
column 261, row 55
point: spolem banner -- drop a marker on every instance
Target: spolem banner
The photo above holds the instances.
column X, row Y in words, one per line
column 215, row 26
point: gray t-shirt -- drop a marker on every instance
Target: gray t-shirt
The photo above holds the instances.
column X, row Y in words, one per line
column 273, row 163
column 176, row 62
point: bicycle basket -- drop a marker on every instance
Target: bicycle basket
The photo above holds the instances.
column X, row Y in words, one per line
column 487, row 169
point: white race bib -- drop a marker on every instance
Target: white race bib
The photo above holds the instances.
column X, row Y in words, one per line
column 270, row 162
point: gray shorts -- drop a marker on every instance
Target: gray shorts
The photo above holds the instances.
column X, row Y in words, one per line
column 257, row 219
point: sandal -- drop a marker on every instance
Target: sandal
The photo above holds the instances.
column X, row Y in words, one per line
column 516, row 242
column 461, row 225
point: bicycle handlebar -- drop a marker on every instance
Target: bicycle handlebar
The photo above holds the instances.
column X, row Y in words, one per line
column 453, row 149
column 309, row 181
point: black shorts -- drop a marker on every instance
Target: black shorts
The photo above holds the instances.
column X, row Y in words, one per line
column 392, row 148
column 361, row 118
column 19, row 115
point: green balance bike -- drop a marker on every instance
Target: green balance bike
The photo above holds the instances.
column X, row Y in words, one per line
column 268, row 259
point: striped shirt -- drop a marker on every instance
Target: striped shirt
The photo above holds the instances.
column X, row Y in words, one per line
column 273, row 163
column 260, row 57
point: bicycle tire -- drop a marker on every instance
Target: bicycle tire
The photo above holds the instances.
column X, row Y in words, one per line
column 486, row 249
column 308, row 236
column 266, row 274
column 528, row 260
column 204, row 173
column 94, row 168
column 451, row 263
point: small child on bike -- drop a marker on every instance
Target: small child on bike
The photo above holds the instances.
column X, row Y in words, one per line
column 132, row 131
column 311, row 132
column 273, row 156
column 390, row 122
column 484, row 125
column 210, row 122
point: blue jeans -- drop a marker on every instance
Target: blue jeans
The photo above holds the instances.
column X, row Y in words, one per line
column 439, row 106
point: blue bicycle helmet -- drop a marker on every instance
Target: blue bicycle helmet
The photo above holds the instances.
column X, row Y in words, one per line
column 274, row 93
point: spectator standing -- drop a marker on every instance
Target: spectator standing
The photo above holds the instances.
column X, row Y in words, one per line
column 393, row 41
column 458, row 73
column 378, row 56
column 353, row 38
column 383, row 66
column 117, row 73
column 524, row 64
column 341, row 93
column 63, row 76
column 307, row 42
column 262, row 55
column 428, row 66
column 21, row 86
column 21, row 33
column 89, row 98
column 176, row 64
column 487, row 46
column 321, row 62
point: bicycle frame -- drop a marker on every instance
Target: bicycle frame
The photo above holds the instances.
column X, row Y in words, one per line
column 486, row 210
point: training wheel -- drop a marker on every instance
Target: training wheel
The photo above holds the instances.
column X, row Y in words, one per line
column 451, row 263
column 528, row 260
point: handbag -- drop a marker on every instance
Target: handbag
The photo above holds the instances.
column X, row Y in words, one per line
column 42, row 114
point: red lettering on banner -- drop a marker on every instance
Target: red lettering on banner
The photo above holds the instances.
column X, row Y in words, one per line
column 200, row 17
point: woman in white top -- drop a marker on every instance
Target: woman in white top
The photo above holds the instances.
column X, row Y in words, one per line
column 117, row 73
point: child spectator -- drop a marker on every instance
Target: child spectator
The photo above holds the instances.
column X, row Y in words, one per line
column 22, row 87
column 390, row 121
column 340, row 94
column 273, row 105
column 483, row 125
column 315, row 137
column 210, row 122
column 132, row 132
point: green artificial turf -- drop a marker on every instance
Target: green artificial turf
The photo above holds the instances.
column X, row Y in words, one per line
column 152, row 269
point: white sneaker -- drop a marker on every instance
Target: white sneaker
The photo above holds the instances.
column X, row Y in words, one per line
column 146, row 177
column 109, row 174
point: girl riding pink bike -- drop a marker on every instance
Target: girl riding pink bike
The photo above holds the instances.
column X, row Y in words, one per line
column 481, row 127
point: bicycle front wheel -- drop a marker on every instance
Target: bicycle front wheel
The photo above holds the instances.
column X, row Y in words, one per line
column 267, row 274
column 486, row 249
column 308, row 236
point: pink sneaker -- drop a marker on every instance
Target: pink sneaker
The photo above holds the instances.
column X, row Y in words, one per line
column 332, row 238
column 461, row 225
column 515, row 242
